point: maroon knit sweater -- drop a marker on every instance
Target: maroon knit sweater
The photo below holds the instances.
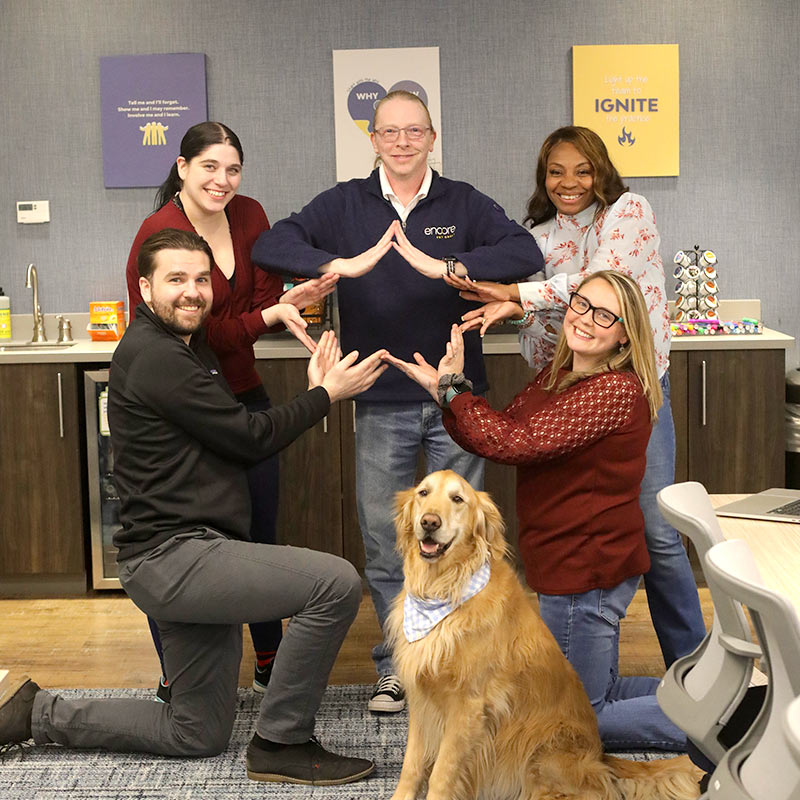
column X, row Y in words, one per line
column 580, row 458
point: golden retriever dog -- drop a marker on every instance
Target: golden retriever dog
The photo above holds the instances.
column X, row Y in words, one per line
column 495, row 710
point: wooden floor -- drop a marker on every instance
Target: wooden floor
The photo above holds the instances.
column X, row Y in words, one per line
column 103, row 641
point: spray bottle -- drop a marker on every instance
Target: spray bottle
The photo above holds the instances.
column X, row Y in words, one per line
column 5, row 316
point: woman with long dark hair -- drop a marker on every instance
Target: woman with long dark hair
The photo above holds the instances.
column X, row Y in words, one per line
column 201, row 194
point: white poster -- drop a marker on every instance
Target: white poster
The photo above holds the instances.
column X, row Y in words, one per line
column 360, row 79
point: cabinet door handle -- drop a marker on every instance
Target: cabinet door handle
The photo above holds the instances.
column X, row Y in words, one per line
column 353, row 404
column 60, row 408
column 703, row 392
column 325, row 424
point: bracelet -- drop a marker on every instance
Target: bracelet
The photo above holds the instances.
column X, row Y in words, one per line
column 525, row 321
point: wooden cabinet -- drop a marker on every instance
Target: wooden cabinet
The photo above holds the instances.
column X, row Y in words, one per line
column 41, row 470
column 310, row 503
column 728, row 411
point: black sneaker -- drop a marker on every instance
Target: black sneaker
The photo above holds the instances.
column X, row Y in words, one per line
column 16, row 706
column 308, row 763
column 261, row 678
column 163, row 693
column 388, row 696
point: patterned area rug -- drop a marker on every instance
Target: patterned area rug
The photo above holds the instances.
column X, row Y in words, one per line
column 343, row 725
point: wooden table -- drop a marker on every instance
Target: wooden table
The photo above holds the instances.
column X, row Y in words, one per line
column 775, row 546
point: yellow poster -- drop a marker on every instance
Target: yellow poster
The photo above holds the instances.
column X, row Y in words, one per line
column 629, row 95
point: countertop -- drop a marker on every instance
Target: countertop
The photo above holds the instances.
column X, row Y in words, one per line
column 286, row 346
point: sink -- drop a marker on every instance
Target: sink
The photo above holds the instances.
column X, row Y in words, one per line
column 21, row 347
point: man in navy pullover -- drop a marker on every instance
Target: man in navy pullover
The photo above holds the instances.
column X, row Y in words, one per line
column 396, row 234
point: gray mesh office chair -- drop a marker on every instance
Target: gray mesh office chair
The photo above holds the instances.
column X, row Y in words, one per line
column 701, row 691
column 761, row 766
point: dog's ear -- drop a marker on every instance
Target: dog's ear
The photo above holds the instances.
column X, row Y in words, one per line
column 490, row 520
column 404, row 507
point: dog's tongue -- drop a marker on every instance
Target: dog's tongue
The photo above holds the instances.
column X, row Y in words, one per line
column 428, row 546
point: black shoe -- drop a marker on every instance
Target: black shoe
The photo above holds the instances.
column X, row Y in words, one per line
column 16, row 708
column 261, row 677
column 309, row 763
column 163, row 693
column 388, row 696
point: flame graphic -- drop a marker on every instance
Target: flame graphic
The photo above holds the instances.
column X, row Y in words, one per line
column 626, row 138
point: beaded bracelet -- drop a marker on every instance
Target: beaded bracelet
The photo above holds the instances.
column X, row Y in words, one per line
column 524, row 321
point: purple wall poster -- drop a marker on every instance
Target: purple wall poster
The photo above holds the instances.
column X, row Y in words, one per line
column 148, row 102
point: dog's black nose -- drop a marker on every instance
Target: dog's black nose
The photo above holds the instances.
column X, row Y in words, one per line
column 430, row 522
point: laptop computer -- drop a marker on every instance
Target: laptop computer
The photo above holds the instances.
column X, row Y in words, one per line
column 775, row 505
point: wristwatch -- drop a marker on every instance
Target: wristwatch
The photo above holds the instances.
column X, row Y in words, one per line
column 450, row 264
column 452, row 391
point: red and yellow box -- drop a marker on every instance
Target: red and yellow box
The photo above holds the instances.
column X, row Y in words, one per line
column 106, row 320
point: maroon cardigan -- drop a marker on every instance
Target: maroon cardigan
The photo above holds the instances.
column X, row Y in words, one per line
column 580, row 458
column 235, row 320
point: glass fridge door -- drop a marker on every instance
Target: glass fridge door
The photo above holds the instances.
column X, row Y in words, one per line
column 103, row 499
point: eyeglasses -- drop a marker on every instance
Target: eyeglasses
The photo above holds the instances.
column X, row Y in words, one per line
column 412, row 132
column 601, row 316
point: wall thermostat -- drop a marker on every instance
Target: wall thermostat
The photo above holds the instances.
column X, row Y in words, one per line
column 29, row 211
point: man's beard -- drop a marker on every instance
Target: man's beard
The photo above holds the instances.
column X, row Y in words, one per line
column 167, row 313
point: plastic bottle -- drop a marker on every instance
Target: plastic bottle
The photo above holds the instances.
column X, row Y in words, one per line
column 5, row 316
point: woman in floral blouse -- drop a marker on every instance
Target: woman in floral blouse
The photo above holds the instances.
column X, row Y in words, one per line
column 578, row 435
column 584, row 219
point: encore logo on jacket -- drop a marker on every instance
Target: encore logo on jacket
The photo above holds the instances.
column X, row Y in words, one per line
column 441, row 232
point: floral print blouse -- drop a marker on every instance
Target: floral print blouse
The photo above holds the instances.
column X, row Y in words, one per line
column 623, row 237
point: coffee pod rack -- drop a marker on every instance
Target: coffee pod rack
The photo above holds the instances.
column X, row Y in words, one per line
column 696, row 287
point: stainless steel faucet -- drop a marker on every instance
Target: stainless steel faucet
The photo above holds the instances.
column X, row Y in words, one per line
column 32, row 282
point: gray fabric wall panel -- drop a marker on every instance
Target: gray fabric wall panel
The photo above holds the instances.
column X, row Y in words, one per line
column 506, row 82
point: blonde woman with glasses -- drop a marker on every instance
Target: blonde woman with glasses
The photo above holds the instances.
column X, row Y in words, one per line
column 578, row 435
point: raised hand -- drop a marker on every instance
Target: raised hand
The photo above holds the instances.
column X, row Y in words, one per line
column 491, row 314
column 309, row 292
column 289, row 315
column 325, row 357
column 421, row 372
column 361, row 264
column 483, row 291
column 452, row 362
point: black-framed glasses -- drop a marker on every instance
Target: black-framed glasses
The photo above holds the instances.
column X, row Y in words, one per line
column 412, row 132
column 601, row 316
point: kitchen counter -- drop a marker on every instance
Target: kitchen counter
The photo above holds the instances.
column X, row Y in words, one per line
column 284, row 345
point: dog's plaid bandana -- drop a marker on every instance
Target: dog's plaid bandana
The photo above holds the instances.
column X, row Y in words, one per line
column 420, row 616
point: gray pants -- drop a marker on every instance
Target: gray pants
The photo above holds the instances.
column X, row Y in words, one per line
column 200, row 587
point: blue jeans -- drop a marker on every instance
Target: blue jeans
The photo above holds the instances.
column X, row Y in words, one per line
column 670, row 584
column 388, row 440
column 586, row 628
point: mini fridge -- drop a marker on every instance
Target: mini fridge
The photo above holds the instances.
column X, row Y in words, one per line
column 103, row 499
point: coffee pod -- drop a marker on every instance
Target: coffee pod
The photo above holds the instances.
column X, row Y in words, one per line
column 709, row 301
column 709, row 273
column 693, row 273
column 686, row 288
column 680, row 315
column 682, row 259
column 707, row 259
column 679, row 272
column 708, row 287
column 710, row 313
column 687, row 303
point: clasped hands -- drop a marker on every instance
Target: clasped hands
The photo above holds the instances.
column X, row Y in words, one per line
column 394, row 238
